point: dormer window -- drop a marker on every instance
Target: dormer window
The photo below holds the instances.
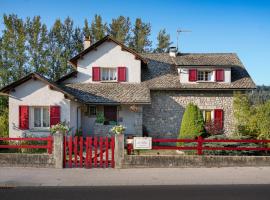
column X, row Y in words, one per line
column 204, row 75
column 108, row 74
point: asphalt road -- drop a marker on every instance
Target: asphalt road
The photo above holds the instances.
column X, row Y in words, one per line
column 201, row 192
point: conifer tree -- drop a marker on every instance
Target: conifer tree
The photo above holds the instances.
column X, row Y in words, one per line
column 98, row 28
column 140, row 41
column 37, row 48
column 192, row 124
column 163, row 41
column 120, row 29
column 13, row 44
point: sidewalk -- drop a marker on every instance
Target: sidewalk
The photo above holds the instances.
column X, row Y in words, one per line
column 113, row 177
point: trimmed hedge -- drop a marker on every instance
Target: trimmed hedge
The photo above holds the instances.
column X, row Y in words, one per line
column 192, row 124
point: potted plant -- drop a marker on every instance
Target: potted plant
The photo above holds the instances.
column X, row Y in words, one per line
column 60, row 128
column 118, row 130
column 100, row 118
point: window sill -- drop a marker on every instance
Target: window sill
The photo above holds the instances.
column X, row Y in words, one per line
column 205, row 81
column 39, row 130
column 108, row 81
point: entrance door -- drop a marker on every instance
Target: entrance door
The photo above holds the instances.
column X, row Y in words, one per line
column 110, row 113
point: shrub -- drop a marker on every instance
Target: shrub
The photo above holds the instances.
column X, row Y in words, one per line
column 4, row 123
column 100, row 118
column 62, row 127
column 231, row 144
column 213, row 128
column 192, row 124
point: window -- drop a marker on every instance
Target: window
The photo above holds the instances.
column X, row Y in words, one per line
column 204, row 75
column 40, row 117
column 109, row 74
column 207, row 116
column 91, row 111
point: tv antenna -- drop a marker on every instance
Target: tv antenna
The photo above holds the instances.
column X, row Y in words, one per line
column 178, row 33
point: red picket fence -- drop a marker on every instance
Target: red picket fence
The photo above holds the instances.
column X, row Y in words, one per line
column 200, row 144
column 89, row 152
column 18, row 145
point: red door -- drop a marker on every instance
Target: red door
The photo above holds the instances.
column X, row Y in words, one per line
column 110, row 113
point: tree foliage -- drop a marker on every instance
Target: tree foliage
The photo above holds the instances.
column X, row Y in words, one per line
column 251, row 119
column 163, row 41
column 140, row 40
column 98, row 28
column 4, row 122
column 119, row 29
column 192, row 124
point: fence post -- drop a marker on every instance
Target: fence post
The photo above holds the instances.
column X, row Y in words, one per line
column 199, row 146
column 119, row 150
column 49, row 143
column 58, row 149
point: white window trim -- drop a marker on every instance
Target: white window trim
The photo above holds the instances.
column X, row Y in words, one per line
column 211, row 75
column 212, row 113
column 110, row 68
column 31, row 117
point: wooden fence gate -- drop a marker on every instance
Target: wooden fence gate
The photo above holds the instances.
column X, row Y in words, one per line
column 89, row 152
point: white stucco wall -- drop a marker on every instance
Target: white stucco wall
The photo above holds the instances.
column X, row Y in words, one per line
column 35, row 93
column 107, row 54
column 131, row 120
column 184, row 76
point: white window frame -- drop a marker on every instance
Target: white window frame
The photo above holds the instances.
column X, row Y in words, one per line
column 209, row 77
column 109, row 74
column 32, row 120
column 204, row 114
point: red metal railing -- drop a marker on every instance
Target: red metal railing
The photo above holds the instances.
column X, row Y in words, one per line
column 18, row 145
column 89, row 152
column 200, row 144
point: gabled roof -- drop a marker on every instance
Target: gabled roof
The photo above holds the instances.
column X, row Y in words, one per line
column 161, row 72
column 37, row 76
column 74, row 60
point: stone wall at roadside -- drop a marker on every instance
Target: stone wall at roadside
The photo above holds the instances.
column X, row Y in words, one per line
column 26, row 160
column 182, row 161
column 163, row 117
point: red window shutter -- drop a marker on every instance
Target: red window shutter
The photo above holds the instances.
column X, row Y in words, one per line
column 55, row 115
column 23, row 117
column 220, row 75
column 121, row 74
column 95, row 73
column 218, row 117
column 192, row 75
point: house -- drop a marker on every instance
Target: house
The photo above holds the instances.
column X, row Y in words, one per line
column 144, row 92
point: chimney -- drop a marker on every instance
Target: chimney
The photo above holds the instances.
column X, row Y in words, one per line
column 172, row 51
column 86, row 42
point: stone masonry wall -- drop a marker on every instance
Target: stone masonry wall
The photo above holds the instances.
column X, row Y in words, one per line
column 163, row 117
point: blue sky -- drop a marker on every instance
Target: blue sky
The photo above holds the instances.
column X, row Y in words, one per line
column 240, row 26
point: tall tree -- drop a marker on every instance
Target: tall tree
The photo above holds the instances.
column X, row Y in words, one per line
column 13, row 44
column 55, row 46
column 87, row 30
column 37, row 49
column 120, row 29
column 163, row 41
column 98, row 28
column 77, row 40
column 140, row 41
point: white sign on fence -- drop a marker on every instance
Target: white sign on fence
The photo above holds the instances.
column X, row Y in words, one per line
column 142, row 143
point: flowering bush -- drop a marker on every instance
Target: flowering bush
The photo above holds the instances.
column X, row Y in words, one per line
column 118, row 129
column 62, row 127
column 213, row 128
